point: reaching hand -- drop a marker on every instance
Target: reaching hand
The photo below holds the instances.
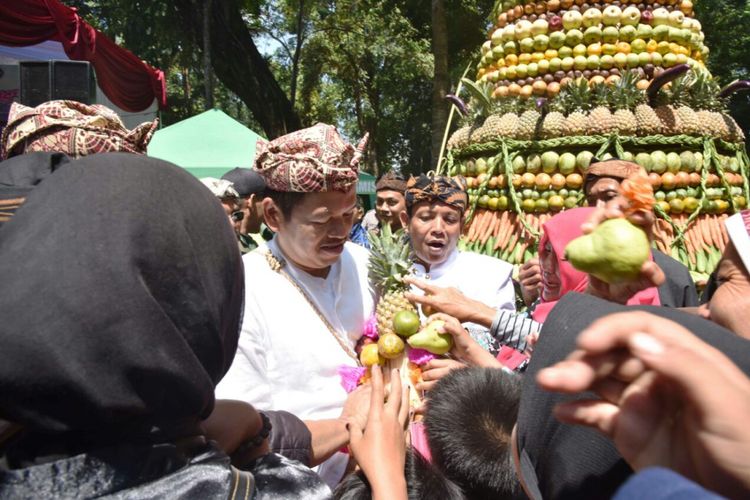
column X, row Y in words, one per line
column 436, row 369
column 530, row 279
column 380, row 447
column 449, row 301
column 357, row 405
column 465, row 348
column 667, row 399
column 651, row 274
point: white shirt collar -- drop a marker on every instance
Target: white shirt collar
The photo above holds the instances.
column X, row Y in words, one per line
column 436, row 270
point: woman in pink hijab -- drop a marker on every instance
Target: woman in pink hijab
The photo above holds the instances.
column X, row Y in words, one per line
column 558, row 275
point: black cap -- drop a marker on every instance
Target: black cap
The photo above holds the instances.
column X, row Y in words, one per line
column 246, row 181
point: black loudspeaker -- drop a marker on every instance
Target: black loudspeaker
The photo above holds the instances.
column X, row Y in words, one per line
column 43, row 81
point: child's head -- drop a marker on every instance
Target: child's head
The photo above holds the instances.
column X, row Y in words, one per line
column 469, row 420
column 423, row 482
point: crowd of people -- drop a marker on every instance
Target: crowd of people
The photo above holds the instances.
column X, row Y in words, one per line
column 168, row 337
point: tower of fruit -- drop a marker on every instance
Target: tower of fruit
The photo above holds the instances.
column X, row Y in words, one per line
column 561, row 82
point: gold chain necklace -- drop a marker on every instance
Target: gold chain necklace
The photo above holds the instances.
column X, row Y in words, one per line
column 277, row 265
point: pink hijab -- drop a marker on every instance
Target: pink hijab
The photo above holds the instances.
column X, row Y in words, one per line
column 559, row 231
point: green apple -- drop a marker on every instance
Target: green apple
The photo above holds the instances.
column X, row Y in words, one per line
column 539, row 27
column 674, row 34
column 556, row 39
column 592, row 17
column 544, row 66
column 497, row 52
column 630, row 16
column 633, row 60
column 541, row 42
column 661, row 17
column 610, row 34
column 621, row 60
column 511, row 73
column 606, row 61
column 644, row 58
column 496, row 38
column 644, row 160
column 658, row 162
column 554, row 64
column 522, row 29
column 565, row 52
column 669, row 60
column 684, row 35
column 573, row 37
column 510, row 48
column 660, row 32
column 534, row 164
column 611, row 15
column 663, row 47
column 638, row 45
column 549, row 161
column 673, row 162
column 627, row 156
column 579, row 50
column 688, row 161
column 519, row 165
column 681, row 59
column 567, row 63
column 676, row 18
column 580, row 62
column 572, row 19
column 644, row 31
column 583, row 160
column 627, row 33
column 522, row 70
column 592, row 62
column 509, row 33
column 610, row 49
column 526, row 44
column 533, row 69
column 567, row 163
column 593, row 34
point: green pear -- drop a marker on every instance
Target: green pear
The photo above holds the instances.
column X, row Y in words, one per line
column 430, row 339
column 614, row 252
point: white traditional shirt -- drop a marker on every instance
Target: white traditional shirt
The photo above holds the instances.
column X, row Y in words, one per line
column 287, row 358
column 479, row 277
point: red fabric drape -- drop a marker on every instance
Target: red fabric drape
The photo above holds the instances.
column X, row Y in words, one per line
column 129, row 82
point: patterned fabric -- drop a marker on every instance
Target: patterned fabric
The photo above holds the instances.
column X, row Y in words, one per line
column 72, row 128
column 391, row 181
column 619, row 169
column 310, row 160
column 451, row 191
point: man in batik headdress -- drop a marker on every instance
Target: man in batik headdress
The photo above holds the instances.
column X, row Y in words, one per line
column 476, row 289
column 306, row 295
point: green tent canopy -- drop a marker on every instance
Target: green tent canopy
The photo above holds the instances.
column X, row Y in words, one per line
column 206, row 145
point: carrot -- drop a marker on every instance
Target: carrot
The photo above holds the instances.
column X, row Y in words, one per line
column 494, row 219
column 706, row 232
column 472, row 227
column 504, row 224
column 501, row 223
column 477, row 222
column 690, row 249
column 486, row 223
column 513, row 220
column 715, row 232
column 723, row 229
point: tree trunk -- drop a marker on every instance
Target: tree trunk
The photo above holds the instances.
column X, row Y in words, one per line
column 186, row 91
column 297, row 52
column 208, row 81
column 441, row 82
column 242, row 68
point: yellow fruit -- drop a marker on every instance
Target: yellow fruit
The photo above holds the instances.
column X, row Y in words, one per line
column 390, row 346
column 370, row 356
column 406, row 323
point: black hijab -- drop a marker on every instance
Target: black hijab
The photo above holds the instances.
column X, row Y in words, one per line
column 570, row 461
column 121, row 294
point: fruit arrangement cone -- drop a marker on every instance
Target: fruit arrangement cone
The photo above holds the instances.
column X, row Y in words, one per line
column 561, row 82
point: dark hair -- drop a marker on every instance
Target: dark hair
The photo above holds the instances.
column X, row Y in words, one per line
column 469, row 420
column 423, row 482
column 284, row 200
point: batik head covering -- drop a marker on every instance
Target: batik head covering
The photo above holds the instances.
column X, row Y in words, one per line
column 391, row 181
column 119, row 317
column 448, row 190
column 72, row 128
column 310, row 160
column 738, row 229
column 220, row 188
column 619, row 169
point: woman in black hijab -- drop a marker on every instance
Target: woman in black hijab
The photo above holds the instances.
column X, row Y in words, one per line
column 120, row 305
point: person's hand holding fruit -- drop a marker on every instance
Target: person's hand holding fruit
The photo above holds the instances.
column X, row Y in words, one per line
column 449, row 300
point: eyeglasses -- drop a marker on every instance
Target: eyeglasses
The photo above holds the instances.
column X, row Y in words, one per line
column 238, row 215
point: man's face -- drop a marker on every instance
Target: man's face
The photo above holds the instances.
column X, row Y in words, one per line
column 313, row 236
column 600, row 190
column 388, row 207
column 550, row 274
column 230, row 206
column 731, row 300
column 434, row 229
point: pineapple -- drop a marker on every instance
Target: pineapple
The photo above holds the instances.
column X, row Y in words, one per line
column 553, row 124
column 735, row 131
column 459, row 138
column 600, row 118
column 528, row 122
column 507, row 125
column 703, row 97
column 575, row 100
column 623, row 96
column 709, row 122
column 390, row 261
column 679, row 98
column 647, row 123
